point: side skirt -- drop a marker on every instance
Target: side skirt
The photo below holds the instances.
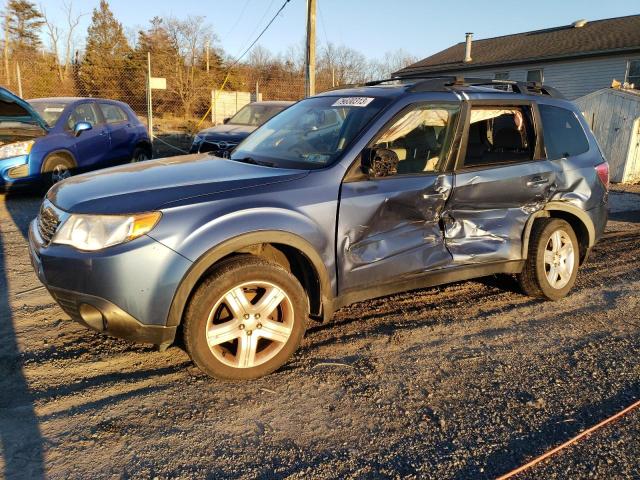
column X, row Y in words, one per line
column 428, row 279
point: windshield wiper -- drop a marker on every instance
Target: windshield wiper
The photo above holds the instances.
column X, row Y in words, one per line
column 253, row 161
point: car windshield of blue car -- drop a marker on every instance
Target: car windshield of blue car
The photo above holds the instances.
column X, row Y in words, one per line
column 255, row 115
column 49, row 111
column 310, row 134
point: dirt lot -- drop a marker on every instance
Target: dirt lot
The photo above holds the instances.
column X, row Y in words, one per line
column 467, row 380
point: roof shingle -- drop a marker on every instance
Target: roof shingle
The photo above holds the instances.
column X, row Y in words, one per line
column 599, row 36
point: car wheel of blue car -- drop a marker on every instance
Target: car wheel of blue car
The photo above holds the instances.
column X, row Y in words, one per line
column 140, row 154
column 246, row 319
column 57, row 168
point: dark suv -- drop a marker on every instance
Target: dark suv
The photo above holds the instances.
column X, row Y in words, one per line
column 345, row 196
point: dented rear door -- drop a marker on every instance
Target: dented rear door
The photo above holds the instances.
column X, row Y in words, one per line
column 485, row 216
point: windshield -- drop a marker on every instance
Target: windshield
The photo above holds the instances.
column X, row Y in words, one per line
column 255, row 115
column 49, row 111
column 310, row 134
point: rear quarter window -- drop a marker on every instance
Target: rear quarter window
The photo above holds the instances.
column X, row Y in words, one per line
column 563, row 134
column 113, row 113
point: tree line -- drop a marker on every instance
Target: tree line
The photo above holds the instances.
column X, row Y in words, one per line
column 42, row 56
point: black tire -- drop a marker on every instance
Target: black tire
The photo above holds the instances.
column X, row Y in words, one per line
column 227, row 276
column 140, row 154
column 534, row 279
column 56, row 168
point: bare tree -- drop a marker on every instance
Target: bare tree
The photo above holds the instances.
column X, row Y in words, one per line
column 390, row 63
column 56, row 34
column 190, row 38
column 341, row 65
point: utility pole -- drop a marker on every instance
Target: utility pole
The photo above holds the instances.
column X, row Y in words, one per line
column 19, row 77
column 149, row 101
column 310, row 60
column 207, row 56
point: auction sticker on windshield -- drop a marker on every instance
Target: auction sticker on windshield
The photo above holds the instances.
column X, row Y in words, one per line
column 352, row 102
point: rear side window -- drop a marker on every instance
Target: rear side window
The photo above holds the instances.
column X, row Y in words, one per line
column 563, row 134
column 500, row 135
column 113, row 113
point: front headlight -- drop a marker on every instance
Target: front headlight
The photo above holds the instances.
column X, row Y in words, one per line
column 95, row 232
column 16, row 149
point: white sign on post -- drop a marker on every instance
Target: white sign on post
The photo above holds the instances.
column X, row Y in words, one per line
column 158, row 83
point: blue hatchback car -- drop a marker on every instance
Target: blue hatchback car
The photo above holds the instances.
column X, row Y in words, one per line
column 47, row 139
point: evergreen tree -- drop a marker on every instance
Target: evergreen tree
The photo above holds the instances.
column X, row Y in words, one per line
column 106, row 69
column 23, row 22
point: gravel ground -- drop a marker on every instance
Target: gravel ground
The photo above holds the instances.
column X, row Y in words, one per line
column 468, row 380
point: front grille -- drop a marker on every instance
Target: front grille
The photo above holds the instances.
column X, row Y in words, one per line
column 48, row 221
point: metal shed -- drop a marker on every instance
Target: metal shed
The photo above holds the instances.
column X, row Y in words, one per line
column 614, row 116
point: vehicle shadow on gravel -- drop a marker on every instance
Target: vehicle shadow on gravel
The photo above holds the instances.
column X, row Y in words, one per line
column 20, row 436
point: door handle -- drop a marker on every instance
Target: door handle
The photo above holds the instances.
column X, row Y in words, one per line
column 537, row 181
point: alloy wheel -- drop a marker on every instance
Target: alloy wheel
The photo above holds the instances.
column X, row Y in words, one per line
column 250, row 324
column 559, row 259
column 60, row 172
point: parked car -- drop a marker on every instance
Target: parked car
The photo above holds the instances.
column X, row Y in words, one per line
column 51, row 138
column 345, row 196
column 222, row 139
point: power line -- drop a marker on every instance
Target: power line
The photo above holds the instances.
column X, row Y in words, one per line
column 261, row 33
column 237, row 60
column 255, row 29
column 244, row 8
column 324, row 29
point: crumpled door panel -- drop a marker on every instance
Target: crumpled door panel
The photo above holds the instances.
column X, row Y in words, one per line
column 486, row 215
column 390, row 229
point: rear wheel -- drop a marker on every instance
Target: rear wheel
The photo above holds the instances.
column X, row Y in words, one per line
column 57, row 168
column 140, row 154
column 245, row 320
column 552, row 264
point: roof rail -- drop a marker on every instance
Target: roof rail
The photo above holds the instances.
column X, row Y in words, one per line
column 445, row 83
column 425, row 84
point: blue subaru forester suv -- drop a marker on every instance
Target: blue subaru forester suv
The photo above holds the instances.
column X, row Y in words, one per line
column 49, row 139
column 345, row 196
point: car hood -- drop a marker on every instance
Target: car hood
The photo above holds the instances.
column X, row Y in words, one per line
column 150, row 185
column 14, row 109
column 227, row 132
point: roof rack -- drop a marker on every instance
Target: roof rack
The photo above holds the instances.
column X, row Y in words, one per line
column 446, row 83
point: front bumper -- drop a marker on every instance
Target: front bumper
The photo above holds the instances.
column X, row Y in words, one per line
column 8, row 182
column 125, row 291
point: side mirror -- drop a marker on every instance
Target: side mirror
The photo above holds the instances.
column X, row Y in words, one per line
column 380, row 162
column 226, row 120
column 81, row 127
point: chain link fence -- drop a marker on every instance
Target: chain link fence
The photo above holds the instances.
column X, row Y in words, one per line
column 178, row 112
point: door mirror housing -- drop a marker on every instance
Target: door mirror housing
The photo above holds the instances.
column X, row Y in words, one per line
column 226, row 120
column 380, row 162
column 81, row 127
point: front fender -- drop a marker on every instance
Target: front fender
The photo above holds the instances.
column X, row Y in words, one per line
column 234, row 231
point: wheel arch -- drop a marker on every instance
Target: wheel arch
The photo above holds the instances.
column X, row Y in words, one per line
column 580, row 222
column 61, row 152
column 287, row 249
column 144, row 143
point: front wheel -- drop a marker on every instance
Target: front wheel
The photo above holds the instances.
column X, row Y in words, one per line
column 245, row 320
column 552, row 263
column 57, row 168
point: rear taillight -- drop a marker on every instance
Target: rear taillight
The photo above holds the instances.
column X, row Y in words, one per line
column 603, row 174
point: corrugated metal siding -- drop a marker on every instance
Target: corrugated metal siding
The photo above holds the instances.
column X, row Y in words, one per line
column 633, row 160
column 611, row 114
column 573, row 78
